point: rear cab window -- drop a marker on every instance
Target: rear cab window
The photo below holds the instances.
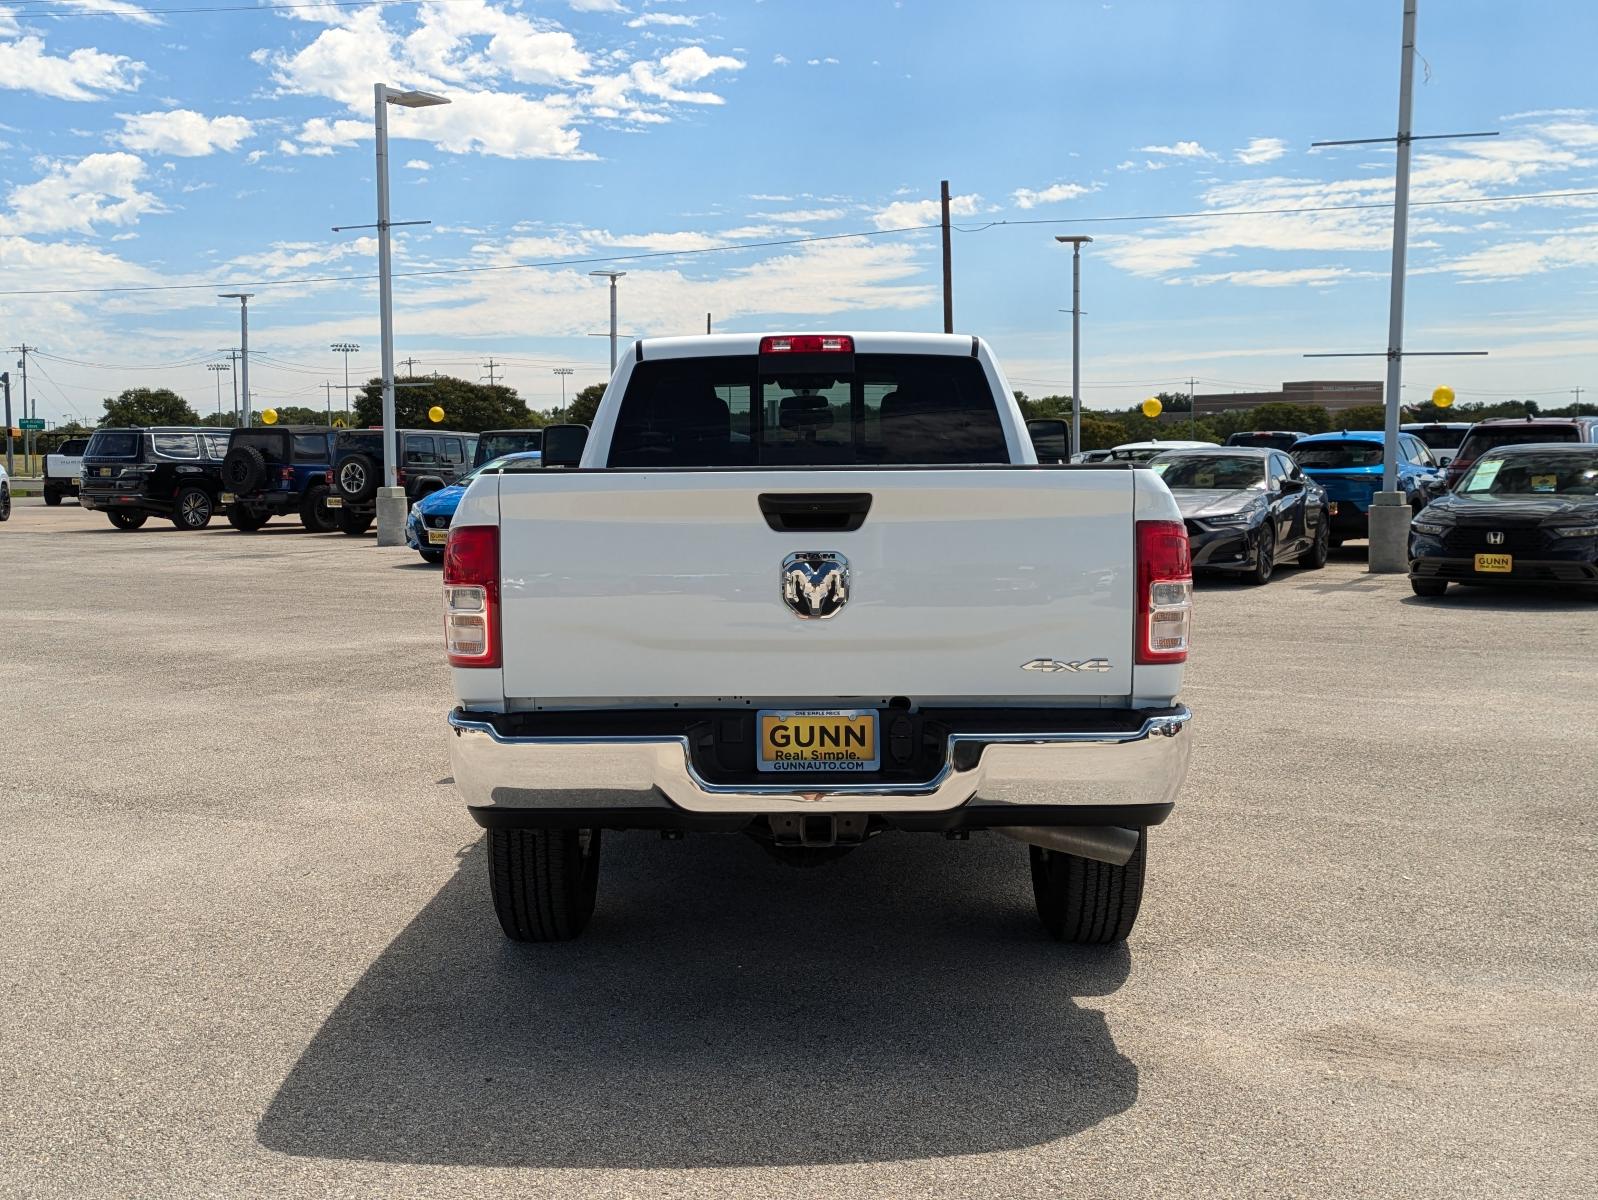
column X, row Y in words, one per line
column 495, row 445
column 113, row 445
column 865, row 410
column 269, row 443
column 312, row 448
column 1336, row 455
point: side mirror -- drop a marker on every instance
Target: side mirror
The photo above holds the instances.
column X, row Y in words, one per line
column 564, row 444
column 1051, row 439
column 1291, row 487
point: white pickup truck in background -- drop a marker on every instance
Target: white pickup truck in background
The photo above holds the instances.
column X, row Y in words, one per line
column 814, row 588
column 63, row 470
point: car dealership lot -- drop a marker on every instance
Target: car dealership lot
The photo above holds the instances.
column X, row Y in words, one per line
column 249, row 951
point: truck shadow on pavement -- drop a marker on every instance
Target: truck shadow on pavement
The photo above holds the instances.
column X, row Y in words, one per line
column 722, row 1010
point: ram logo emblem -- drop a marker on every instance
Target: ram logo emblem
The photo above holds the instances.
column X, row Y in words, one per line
column 815, row 584
column 1076, row 665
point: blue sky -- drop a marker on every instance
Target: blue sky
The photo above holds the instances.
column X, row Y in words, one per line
column 144, row 148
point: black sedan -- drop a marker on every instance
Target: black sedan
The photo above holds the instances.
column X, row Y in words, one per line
column 1247, row 510
column 1521, row 514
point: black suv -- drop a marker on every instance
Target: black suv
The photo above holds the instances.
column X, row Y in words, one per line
column 429, row 459
column 174, row 472
column 492, row 443
column 276, row 470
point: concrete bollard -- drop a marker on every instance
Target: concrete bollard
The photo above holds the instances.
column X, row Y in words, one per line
column 392, row 510
column 1389, row 533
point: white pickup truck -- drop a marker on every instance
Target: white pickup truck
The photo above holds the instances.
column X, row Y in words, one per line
column 63, row 470
column 815, row 588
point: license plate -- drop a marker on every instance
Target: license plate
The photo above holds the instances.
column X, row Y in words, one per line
column 229, row 497
column 833, row 739
column 1495, row 564
column 335, row 501
column 77, row 481
column 437, row 537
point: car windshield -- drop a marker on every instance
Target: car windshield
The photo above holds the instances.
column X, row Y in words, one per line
column 1276, row 441
column 1485, row 438
column 1220, row 472
column 1135, row 453
column 113, row 445
column 494, row 466
column 1339, row 454
column 1439, row 437
column 1533, row 474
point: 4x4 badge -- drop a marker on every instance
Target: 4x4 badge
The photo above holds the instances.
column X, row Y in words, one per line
column 1076, row 665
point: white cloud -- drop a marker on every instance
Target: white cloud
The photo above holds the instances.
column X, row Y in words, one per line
column 128, row 12
column 289, row 258
column 74, row 197
column 801, row 215
column 82, row 75
column 1261, row 150
column 1297, row 277
column 1180, row 150
column 418, row 164
column 183, row 132
column 903, row 214
column 1507, row 260
column 680, row 20
column 780, row 60
column 610, row 6
column 1055, row 192
column 320, row 136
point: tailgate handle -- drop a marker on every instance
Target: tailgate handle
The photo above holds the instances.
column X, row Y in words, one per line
column 818, row 512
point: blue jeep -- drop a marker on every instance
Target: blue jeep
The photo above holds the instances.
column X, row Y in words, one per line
column 275, row 470
column 1348, row 464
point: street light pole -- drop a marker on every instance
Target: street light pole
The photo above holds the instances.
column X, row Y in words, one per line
column 1076, row 241
column 346, row 349
column 244, row 351
column 217, row 369
column 563, row 372
column 613, row 276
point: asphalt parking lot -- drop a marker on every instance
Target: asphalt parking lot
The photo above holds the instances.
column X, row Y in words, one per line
column 248, row 948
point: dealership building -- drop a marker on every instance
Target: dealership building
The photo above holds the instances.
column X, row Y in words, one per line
column 1334, row 395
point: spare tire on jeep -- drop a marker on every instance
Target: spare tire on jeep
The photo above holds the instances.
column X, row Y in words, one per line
column 357, row 477
column 243, row 469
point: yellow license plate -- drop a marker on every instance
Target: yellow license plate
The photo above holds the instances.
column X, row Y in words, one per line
column 77, row 481
column 437, row 537
column 334, row 502
column 1495, row 564
column 817, row 739
column 228, row 497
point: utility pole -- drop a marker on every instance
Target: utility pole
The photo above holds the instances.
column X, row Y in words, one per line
column 27, row 434
column 1076, row 241
column 563, row 372
column 948, row 262
column 328, row 384
column 408, row 363
column 217, row 369
column 613, row 276
column 1192, row 403
column 491, row 365
column 244, row 349
column 707, row 323
column 1576, row 392
column 5, row 381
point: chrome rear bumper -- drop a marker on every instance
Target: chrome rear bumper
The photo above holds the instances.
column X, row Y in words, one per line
column 1141, row 766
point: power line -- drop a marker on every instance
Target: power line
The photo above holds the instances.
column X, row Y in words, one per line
column 775, row 243
column 63, row 13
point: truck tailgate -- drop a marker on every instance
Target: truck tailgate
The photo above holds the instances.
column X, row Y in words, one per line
column 638, row 585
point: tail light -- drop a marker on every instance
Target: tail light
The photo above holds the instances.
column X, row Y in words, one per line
column 808, row 343
column 399, row 476
column 471, row 596
column 327, row 477
column 1164, row 592
column 285, row 474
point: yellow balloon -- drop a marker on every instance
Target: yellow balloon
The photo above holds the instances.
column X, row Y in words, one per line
column 435, row 414
column 1443, row 396
column 1152, row 408
column 338, row 422
column 269, row 416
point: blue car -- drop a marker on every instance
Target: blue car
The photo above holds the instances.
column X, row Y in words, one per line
column 1348, row 465
column 427, row 527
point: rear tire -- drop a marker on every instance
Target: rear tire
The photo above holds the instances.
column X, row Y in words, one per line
column 5, row 502
column 315, row 515
column 127, row 520
column 357, row 478
column 432, row 556
column 244, row 520
column 1084, row 902
column 351, row 523
column 53, row 499
column 193, row 509
column 1428, row 587
column 1315, row 557
column 544, row 881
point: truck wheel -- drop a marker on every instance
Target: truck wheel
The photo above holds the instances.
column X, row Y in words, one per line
column 53, row 499
column 193, row 509
column 315, row 515
column 544, row 881
column 1428, row 587
column 357, row 478
column 1085, row 902
column 244, row 520
column 5, row 502
column 243, row 468
column 127, row 520
column 432, row 556
column 352, row 523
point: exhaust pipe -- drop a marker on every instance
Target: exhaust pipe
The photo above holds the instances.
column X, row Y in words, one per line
column 1102, row 843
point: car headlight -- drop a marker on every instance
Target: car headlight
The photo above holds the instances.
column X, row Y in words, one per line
column 1575, row 531
column 1429, row 528
column 1237, row 518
